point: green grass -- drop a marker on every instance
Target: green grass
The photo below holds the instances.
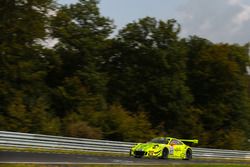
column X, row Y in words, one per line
column 180, row 165
column 43, row 150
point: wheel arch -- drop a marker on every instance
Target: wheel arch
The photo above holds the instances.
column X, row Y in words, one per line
column 162, row 156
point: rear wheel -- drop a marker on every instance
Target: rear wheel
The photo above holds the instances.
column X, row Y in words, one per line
column 188, row 154
column 164, row 154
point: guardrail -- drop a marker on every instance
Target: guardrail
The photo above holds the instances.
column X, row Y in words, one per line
column 26, row 140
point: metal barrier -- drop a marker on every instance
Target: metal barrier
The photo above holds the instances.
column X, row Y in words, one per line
column 26, row 140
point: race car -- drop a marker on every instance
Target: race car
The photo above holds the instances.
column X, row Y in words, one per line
column 164, row 148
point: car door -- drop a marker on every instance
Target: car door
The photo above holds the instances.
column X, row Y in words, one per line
column 175, row 149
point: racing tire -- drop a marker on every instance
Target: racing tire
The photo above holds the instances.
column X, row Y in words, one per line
column 188, row 154
column 164, row 154
column 138, row 156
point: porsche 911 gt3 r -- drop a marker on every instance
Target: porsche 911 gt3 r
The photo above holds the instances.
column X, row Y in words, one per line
column 164, row 147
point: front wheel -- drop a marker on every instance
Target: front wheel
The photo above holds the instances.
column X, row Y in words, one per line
column 164, row 154
column 138, row 156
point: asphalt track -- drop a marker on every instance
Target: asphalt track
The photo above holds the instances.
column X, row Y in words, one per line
column 52, row 158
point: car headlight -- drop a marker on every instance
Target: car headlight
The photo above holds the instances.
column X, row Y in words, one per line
column 155, row 146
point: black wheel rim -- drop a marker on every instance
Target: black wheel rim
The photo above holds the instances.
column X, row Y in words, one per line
column 189, row 155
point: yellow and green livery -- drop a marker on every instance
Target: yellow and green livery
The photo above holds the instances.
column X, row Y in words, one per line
column 164, row 147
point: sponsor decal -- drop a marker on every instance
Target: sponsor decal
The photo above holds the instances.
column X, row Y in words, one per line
column 171, row 150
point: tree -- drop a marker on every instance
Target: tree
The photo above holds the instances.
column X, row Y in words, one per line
column 217, row 78
column 75, row 126
column 16, row 116
column 22, row 59
column 119, row 124
column 81, row 32
column 147, row 69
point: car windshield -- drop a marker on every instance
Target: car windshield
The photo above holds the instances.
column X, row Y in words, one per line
column 160, row 140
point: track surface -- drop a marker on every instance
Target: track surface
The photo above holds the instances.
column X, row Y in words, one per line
column 51, row 158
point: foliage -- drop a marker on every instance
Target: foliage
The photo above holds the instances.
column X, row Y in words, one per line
column 119, row 124
column 147, row 69
column 220, row 72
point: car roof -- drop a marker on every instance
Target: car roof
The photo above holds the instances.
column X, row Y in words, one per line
column 167, row 137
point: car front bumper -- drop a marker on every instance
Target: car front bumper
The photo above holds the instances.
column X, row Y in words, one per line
column 148, row 153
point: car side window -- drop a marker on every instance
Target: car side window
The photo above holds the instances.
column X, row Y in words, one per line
column 175, row 142
column 179, row 142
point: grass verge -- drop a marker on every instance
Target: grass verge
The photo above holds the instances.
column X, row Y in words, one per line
column 61, row 151
column 170, row 165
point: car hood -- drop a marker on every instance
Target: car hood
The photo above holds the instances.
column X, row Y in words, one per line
column 145, row 146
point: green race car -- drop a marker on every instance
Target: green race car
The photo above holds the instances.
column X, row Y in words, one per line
column 164, row 147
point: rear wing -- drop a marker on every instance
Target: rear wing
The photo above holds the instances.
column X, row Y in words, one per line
column 186, row 141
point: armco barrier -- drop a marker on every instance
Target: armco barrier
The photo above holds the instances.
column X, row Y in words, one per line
column 22, row 140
